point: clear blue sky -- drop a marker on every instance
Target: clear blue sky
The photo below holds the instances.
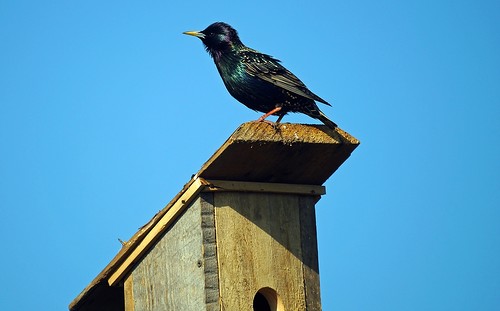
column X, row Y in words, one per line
column 106, row 110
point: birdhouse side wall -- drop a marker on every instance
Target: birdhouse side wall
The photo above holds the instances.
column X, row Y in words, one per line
column 172, row 274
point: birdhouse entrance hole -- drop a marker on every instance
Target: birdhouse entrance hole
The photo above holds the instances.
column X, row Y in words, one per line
column 267, row 299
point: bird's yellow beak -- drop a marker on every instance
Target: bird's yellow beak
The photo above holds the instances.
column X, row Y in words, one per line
column 195, row 34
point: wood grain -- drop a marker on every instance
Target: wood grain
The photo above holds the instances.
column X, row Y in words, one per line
column 258, row 245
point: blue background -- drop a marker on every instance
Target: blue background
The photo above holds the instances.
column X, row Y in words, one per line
column 107, row 109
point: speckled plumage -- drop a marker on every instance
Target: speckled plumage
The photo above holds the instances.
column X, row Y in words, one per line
column 258, row 80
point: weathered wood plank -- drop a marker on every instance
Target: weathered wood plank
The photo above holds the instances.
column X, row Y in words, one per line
column 152, row 236
column 212, row 292
column 171, row 275
column 128, row 290
column 309, row 246
column 258, row 245
column 230, row 185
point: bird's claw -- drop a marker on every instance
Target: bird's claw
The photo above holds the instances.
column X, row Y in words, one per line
column 260, row 120
column 275, row 125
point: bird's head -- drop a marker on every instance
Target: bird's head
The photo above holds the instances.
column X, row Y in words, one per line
column 218, row 38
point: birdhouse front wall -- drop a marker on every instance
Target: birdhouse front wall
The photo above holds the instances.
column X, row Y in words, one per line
column 265, row 240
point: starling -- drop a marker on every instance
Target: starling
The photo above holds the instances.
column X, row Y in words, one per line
column 258, row 80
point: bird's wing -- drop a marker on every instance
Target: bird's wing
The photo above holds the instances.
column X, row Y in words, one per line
column 269, row 69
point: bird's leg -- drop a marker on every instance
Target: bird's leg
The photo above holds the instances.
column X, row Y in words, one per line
column 279, row 118
column 263, row 118
column 277, row 124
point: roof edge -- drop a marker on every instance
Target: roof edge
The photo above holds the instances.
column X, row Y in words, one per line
column 126, row 250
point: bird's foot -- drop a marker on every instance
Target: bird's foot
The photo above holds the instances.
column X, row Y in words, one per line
column 274, row 125
column 262, row 120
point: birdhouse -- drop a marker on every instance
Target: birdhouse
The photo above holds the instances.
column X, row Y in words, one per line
column 240, row 235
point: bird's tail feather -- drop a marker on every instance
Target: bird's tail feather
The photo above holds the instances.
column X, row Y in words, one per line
column 323, row 118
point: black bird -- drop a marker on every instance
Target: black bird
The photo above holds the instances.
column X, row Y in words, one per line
column 258, row 80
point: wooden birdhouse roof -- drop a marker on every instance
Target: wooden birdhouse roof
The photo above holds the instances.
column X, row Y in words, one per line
column 296, row 154
column 257, row 158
